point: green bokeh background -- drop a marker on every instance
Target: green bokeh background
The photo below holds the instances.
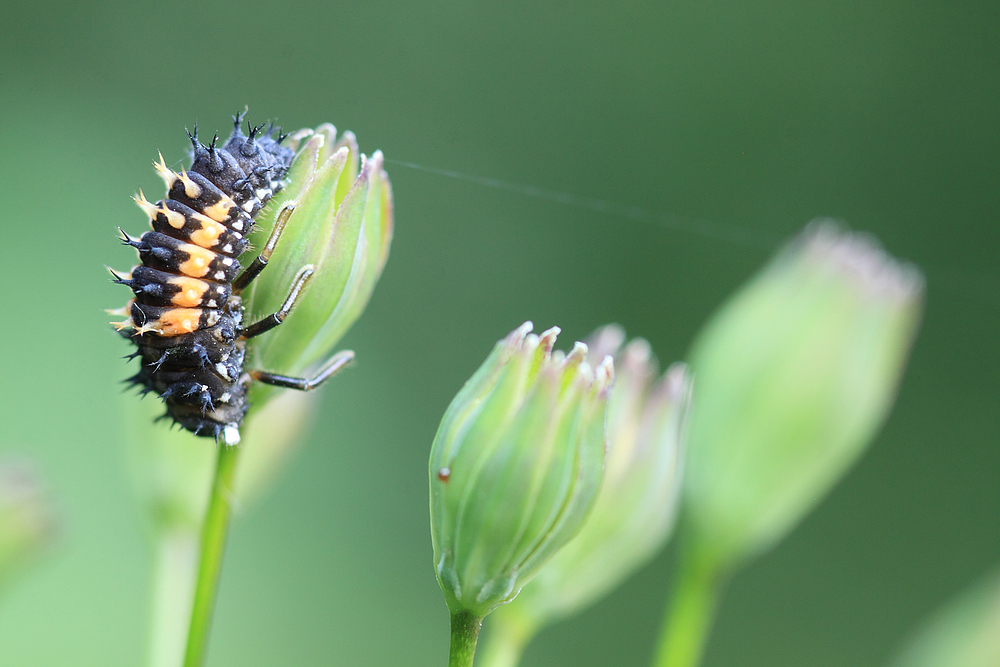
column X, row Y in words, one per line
column 761, row 115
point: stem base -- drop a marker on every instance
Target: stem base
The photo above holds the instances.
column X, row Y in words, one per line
column 692, row 609
column 464, row 634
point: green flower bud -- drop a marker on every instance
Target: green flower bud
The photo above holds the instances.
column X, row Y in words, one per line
column 635, row 509
column 342, row 227
column 964, row 634
column 515, row 467
column 794, row 376
column 26, row 516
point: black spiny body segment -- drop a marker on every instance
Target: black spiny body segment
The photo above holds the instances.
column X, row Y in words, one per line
column 187, row 317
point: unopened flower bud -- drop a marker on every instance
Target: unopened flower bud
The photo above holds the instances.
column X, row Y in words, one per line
column 515, row 467
column 341, row 226
column 793, row 377
column 26, row 516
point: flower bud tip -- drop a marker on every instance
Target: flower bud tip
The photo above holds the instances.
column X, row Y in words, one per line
column 318, row 140
column 675, row 380
column 577, row 355
column 547, row 339
column 371, row 165
column 522, row 331
column 604, row 377
column 861, row 257
column 607, row 340
column 637, row 354
column 326, row 128
column 515, row 339
column 340, row 153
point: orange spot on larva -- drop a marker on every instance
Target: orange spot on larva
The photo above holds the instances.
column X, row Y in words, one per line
column 199, row 259
column 219, row 211
column 191, row 291
column 178, row 321
column 207, row 235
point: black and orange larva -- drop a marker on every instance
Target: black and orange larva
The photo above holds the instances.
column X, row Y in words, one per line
column 187, row 316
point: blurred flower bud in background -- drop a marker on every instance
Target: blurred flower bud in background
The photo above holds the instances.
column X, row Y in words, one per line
column 26, row 516
column 342, row 226
column 515, row 467
column 172, row 470
column 966, row 633
column 794, row 376
column 636, row 506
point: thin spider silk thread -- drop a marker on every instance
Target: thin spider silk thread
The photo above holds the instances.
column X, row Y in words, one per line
column 980, row 287
column 726, row 232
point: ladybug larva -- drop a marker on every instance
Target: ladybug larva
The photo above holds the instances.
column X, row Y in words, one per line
column 187, row 316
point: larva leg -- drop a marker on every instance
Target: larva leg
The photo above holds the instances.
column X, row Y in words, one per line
column 262, row 259
column 334, row 365
column 274, row 319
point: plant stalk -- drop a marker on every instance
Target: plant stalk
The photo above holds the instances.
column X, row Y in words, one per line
column 213, row 546
column 691, row 610
column 464, row 633
column 173, row 591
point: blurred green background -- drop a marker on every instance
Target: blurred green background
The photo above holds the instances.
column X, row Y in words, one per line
column 761, row 115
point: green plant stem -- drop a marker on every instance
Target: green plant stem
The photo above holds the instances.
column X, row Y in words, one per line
column 690, row 613
column 464, row 633
column 173, row 590
column 213, row 545
column 505, row 642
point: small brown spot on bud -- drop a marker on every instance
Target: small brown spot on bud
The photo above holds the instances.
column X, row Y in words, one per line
column 444, row 474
